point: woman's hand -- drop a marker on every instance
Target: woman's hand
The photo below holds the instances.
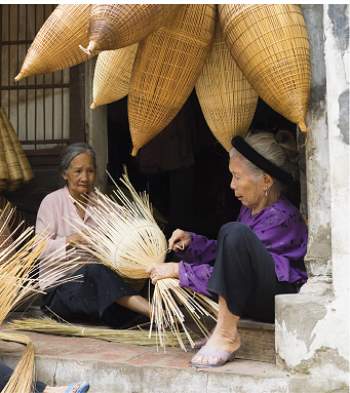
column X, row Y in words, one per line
column 179, row 240
column 164, row 270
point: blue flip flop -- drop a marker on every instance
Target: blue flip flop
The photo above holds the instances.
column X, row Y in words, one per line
column 77, row 388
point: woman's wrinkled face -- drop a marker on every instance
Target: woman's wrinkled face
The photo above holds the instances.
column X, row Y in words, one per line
column 80, row 175
column 248, row 186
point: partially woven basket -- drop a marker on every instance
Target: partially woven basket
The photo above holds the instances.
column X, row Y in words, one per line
column 4, row 173
column 227, row 99
column 270, row 45
column 167, row 65
column 114, row 26
column 112, row 75
column 56, row 45
column 15, row 175
column 22, row 158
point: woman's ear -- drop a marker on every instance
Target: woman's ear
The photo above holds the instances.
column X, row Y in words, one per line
column 268, row 181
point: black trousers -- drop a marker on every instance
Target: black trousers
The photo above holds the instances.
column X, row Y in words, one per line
column 244, row 274
column 92, row 298
column 5, row 374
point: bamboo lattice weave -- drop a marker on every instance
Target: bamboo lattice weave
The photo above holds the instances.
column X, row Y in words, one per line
column 112, row 75
column 4, row 173
column 114, row 26
column 56, row 45
column 227, row 99
column 22, row 158
column 270, row 45
column 167, row 65
column 15, row 175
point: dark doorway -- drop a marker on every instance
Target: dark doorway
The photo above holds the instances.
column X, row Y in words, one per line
column 184, row 169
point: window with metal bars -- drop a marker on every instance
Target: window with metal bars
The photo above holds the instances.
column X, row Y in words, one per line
column 39, row 106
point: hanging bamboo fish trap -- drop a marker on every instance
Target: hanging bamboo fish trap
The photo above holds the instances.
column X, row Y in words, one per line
column 18, row 269
column 15, row 175
column 270, row 44
column 114, row 26
column 112, row 75
column 127, row 239
column 227, row 99
column 22, row 158
column 56, row 45
column 4, row 173
column 167, row 65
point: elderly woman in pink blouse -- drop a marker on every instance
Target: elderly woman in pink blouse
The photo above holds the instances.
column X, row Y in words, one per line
column 255, row 258
column 101, row 296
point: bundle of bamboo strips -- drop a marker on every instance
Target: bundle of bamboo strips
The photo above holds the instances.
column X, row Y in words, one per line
column 127, row 239
column 112, row 75
column 114, row 26
column 135, row 336
column 22, row 377
column 19, row 281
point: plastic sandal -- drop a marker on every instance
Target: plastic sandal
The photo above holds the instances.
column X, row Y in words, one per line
column 219, row 357
column 77, row 388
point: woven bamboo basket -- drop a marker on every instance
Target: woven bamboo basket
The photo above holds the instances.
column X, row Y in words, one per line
column 4, row 173
column 270, row 45
column 15, row 175
column 112, row 75
column 56, row 45
column 167, row 65
column 22, row 158
column 227, row 99
column 114, row 26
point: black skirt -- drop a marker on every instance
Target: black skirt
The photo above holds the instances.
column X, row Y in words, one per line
column 92, row 299
column 244, row 274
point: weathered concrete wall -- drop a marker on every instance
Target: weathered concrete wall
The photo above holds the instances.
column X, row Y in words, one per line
column 96, row 127
column 312, row 328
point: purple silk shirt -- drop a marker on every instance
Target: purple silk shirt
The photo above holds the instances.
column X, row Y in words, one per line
column 281, row 229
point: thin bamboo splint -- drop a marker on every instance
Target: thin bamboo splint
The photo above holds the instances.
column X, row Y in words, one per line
column 167, row 65
column 127, row 239
column 112, row 75
column 56, row 45
column 270, row 44
column 135, row 336
column 114, row 26
column 227, row 99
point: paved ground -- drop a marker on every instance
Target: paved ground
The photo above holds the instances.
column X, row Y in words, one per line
column 118, row 368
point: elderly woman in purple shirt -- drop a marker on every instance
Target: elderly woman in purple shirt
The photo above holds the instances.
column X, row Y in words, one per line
column 255, row 258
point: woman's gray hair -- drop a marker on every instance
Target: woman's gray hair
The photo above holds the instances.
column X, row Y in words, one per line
column 74, row 150
column 281, row 149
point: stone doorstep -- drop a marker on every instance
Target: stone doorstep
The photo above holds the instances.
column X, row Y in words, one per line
column 118, row 368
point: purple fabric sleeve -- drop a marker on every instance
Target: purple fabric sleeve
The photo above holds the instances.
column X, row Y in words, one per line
column 200, row 251
column 195, row 277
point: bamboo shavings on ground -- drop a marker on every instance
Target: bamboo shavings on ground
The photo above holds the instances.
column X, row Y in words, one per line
column 128, row 240
column 122, row 336
column 22, row 377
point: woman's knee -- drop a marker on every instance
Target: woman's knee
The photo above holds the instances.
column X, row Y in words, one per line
column 234, row 232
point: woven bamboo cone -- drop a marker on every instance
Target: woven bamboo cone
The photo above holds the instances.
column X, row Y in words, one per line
column 15, row 175
column 167, row 65
column 112, row 75
column 270, row 44
column 56, row 45
column 22, row 158
column 114, row 26
column 227, row 99
column 4, row 173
